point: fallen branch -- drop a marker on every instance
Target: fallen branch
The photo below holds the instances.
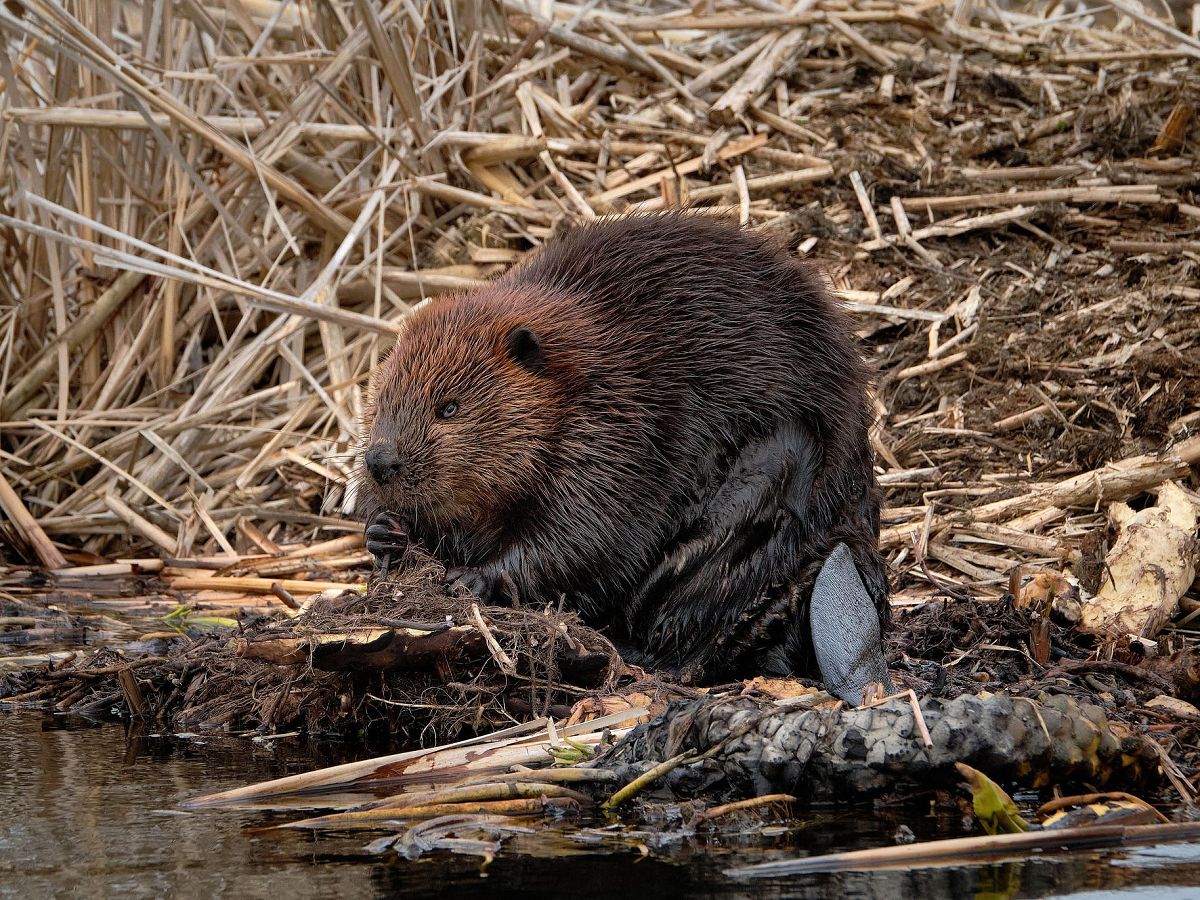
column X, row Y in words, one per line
column 751, row 747
column 1114, row 481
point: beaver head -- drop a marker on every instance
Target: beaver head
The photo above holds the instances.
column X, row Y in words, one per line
column 465, row 408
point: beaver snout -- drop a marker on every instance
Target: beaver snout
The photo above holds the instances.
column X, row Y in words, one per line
column 385, row 464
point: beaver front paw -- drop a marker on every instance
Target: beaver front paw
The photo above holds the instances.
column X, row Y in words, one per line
column 387, row 539
column 478, row 582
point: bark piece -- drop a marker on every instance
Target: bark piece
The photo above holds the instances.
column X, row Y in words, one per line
column 751, row 748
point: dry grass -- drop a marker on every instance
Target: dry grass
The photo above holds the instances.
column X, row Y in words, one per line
column 216, row 213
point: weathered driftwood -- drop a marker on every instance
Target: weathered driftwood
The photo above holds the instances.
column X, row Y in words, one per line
column 974, row 849
column 749, row 747
column 1149, row 568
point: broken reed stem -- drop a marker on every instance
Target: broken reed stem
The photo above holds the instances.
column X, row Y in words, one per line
column 141, row 525
column 1132, row 193
column 251, row 585
column 10, row 501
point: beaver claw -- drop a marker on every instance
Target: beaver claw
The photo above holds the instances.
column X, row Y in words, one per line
column 474, row 580
column 387, row 539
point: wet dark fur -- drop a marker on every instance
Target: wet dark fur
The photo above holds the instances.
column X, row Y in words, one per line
column 678, row 459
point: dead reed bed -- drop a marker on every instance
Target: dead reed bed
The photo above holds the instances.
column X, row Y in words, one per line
column 213, row 216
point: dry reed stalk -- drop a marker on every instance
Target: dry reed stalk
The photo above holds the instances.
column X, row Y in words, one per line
column 50, row 555
column 215, row 219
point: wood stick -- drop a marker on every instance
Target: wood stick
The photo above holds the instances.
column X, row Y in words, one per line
column 948, row 229
column 769, row 64
column 934, row 365
column 120, row 567
column 1018, row 420
column 505, row 149
column 444, row 191
column 762, row 184
column 1168, row 247
column 1132, row 193
column 687, row 167
column 1019, row 844
column 1012, row 537
column 1024, row 173
column 903, row 226
column 922, row 315
column 619, row 58
column 864, row 203
column 1039, row 518
column 716, row 73
column 335, row 545
column 877, row 56
column 1105, row 56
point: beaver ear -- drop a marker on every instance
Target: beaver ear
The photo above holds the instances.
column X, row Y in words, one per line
column 525, row 349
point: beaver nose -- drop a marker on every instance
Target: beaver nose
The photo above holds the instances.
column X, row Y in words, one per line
column 384, row 463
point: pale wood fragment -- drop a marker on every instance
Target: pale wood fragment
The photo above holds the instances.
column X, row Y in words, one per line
column 1114, row 481
column 687, row 167
column 864, row 203
column 253, row 585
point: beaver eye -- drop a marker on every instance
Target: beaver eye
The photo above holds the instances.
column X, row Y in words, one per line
column 449, row 410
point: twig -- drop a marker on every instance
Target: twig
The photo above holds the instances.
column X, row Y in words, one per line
column 503, row 660
column 643, row 781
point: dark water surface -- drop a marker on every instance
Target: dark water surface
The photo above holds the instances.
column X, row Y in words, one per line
column 90, row 811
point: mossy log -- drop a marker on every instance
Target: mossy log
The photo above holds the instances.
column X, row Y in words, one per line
column 749, row 747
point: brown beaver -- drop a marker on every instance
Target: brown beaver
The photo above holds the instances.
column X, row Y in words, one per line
column 663, row 419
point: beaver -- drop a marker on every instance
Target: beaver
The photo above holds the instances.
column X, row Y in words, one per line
column 660, row 420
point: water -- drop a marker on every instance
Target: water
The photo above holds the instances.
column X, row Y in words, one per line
column 89, row 811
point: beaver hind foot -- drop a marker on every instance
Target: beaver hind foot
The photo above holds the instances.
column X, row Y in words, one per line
column 764, row 581
column 845, row 630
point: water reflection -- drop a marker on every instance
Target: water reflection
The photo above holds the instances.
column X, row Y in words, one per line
column 92, row 812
